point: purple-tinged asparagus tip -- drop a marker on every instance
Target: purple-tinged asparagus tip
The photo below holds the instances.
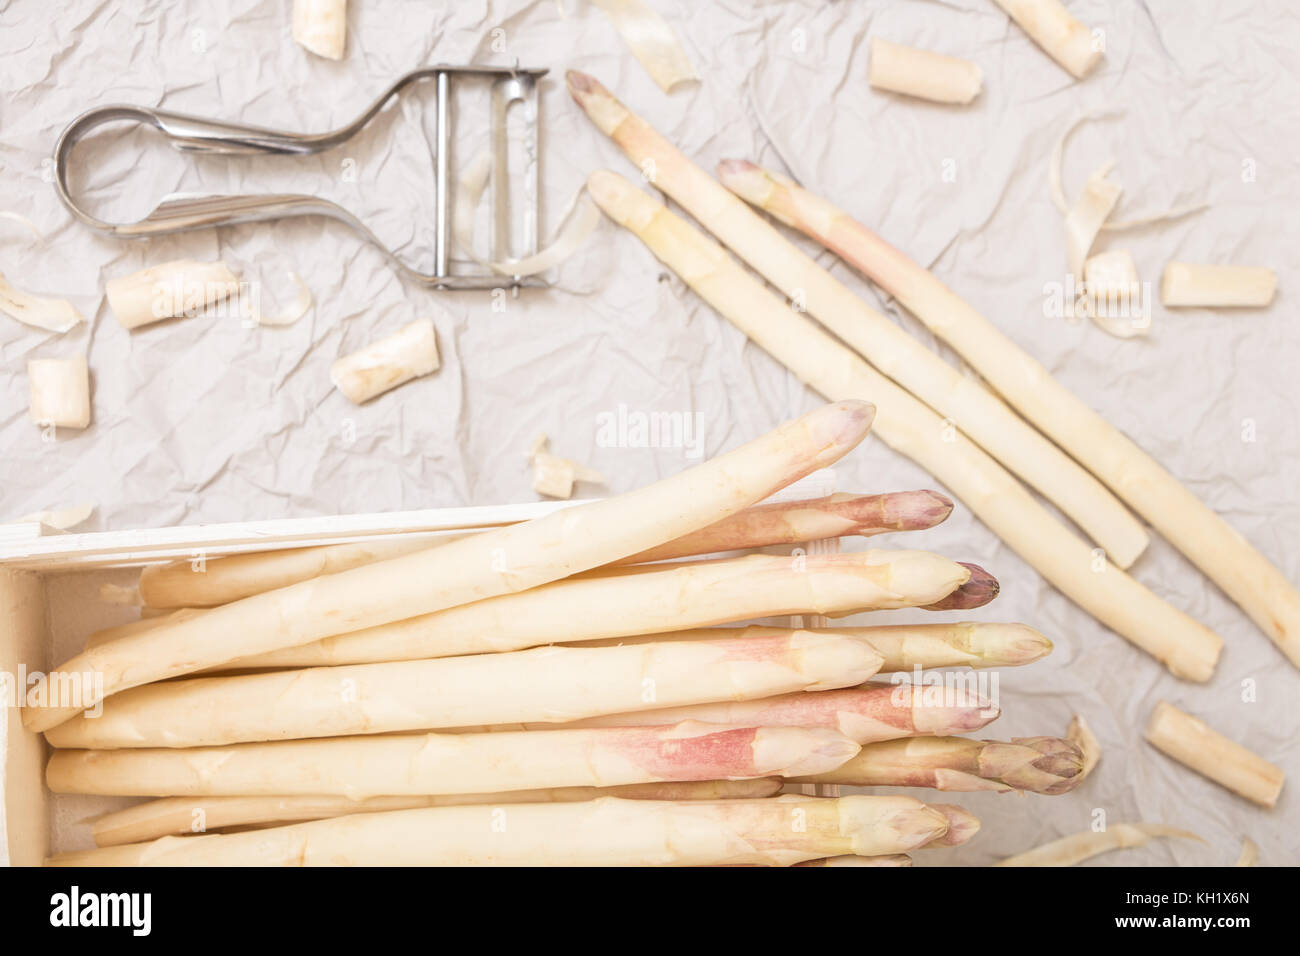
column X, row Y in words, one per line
column 976, row 592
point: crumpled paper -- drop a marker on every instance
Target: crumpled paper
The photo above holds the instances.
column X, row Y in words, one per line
column 202, row 420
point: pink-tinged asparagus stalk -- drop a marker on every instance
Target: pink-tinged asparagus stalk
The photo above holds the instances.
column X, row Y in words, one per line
column 797, row 522
column 1057, row 32
column 779, row 831
column 176, row 816
column 546, row 685
column 1047, row 765
column 892, row 859
column 865, row 714
column 1187, row 648
column 647, row 599
column 916, row 368
column 962, row 826
column 1211, row 543
column 394, row 765
column 978, row 591
column 481, row 566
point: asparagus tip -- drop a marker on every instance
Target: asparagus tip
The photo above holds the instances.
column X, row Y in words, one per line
column 979, row 589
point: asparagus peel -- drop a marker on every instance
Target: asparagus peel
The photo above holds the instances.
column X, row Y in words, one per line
column 400, row 764
column 496, row 562
column 798, row 522
column 604, row 832
column 545, row 685
column 865, row 714
column 1046, row 765
column 1244, row 574
column 174, row 816
column 1078, row 847
column 916, row 368
column 1186, row 647
column 646, row 599
column 891, row 859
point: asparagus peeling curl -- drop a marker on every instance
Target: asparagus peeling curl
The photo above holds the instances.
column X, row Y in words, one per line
column 496, row 562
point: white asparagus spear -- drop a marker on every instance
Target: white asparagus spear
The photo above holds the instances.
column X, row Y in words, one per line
column 778, row 831
column 904, row 647
column 546, row 685
column 409, row 353
column 321, row 26
column 397, row 764
column 962, row 827
column 1057, row 32
column 922, row 73
column 1186, row 284
column 496, row 562
column 180, row 287
column 175, row 816
column 896, row 354
column 646, row 599
column 1187, row 648
column 192, row 583
column 866, row 714
column 1226, row 762
column 59, row 392
column 1211, row 543
column 1078, row 847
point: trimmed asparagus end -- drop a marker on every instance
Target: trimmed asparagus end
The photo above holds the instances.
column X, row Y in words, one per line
column 1187, row 284
column 410, row 353
column 320, row 26
column 922, row 73
column 182, row 287
column 1060, row 35
column 1193, row 744
column 60, row 392
column 553, row 476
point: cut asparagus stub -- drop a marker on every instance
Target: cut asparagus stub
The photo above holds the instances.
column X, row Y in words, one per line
column 865, row 714
column 966, row 403
column 891, row 859
column 1210, row 542
column 651, row 41
column 962, row 826
column 555, row 477
column 978, row 591
column 480, row 566
column 922, row 73
column 1061, row 36
column 1081, row 735
column 546, row 685
column 1186, row 647
column 62, row 518
column 798, row 522
column 608, row 832
column 454, row 763
column 320, row 26
column 182, row 287
column 1078, row 847
column 1187, row 284
column 204, row 582
column 1194, row 745
column 381, row 366
column 53, row 315
column 646, row 599
column 1114, row 294
column 60, row 392
column 175, row 816
column 1047, row 765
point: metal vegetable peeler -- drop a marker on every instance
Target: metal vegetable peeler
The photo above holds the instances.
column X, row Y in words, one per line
column 194, row 134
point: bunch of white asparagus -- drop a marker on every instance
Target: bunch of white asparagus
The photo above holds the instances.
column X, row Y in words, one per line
column 380, row 703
